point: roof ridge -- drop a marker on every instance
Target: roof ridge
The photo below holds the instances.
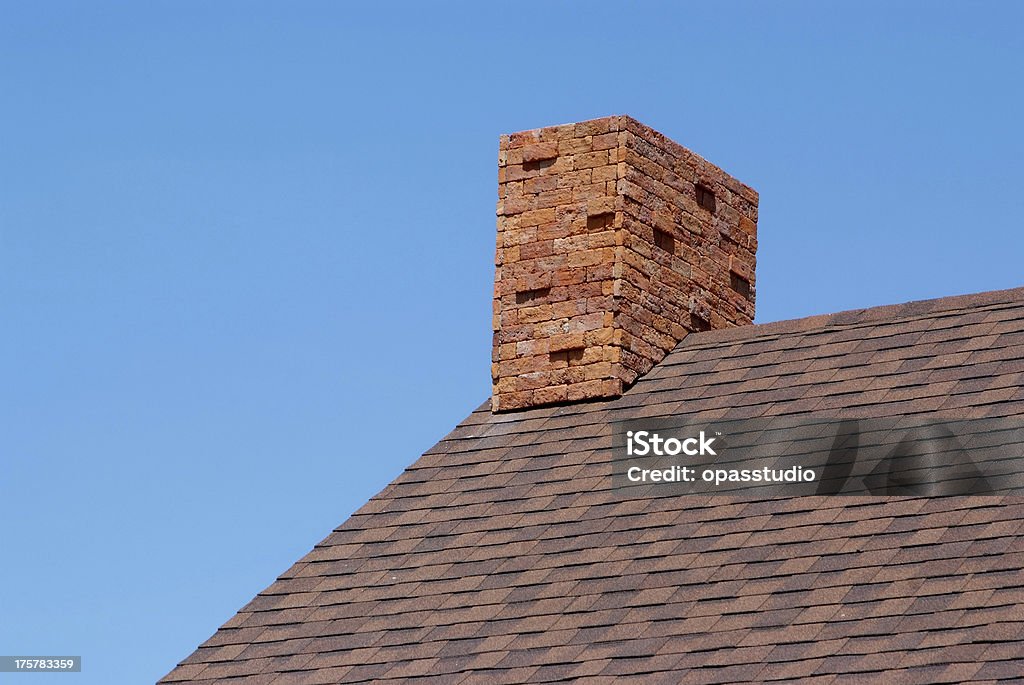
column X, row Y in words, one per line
column 854, row 318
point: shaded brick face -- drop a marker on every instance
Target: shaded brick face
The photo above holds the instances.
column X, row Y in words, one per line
column 614, row 242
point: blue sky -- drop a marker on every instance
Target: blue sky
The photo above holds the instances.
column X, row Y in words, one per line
column 246, row 249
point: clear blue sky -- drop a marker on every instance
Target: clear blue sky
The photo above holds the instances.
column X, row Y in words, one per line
column 246, row 249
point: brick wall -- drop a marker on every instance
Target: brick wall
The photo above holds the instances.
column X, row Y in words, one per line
column 614, row 242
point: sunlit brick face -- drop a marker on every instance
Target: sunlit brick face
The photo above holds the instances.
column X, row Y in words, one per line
column 614, row 243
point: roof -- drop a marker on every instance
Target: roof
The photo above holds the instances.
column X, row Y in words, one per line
column 502, row 556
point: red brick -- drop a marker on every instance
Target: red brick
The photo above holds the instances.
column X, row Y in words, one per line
column 607, row 277
column 541, row 151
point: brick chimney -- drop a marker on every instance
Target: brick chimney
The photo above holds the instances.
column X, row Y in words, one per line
column 614, row 243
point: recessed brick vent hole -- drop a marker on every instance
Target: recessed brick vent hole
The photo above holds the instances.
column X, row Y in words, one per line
column 571, row 356
column 699, row 324
column 524, row 296
column 665, row 241
column 600, row 221
column 739, row 284
column 705, row 198
column 537, row 165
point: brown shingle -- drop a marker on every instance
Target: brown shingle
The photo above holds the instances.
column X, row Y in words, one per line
column 502, row 557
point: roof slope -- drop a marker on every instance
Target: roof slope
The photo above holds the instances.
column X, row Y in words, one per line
column 500, row 556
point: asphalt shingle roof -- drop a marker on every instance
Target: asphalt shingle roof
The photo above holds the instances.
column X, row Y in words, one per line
column 502, row 556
